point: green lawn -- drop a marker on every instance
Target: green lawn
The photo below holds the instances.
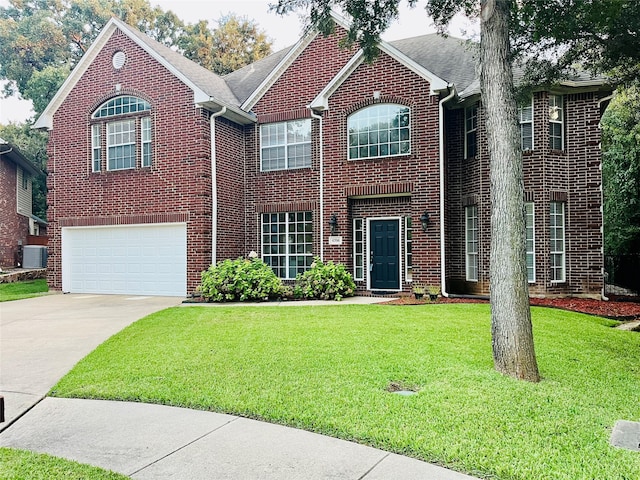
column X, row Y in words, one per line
column 21, row 465
column 20, row 290
column 327, row 369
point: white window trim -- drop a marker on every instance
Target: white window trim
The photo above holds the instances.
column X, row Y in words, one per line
column 532, row 122
column 110, row 145
column 559, row 108
column 363, row 242
column 399, row 154
column 145, row 129
column 562, row 252
column 467, row 233
column 286, row 146
column 467, row 130
column 533, row 239
column 408, row 228
column 287, row 255
column 96, row 147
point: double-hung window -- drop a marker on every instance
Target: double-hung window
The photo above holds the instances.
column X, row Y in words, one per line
column 556, row 122
column 381, row 130
column 471, row 242
column 287, row 242
column 525, row 114
column 285, row 145
column 122, row 126
column 531, row 241
column 471, row 131
column 556, row 235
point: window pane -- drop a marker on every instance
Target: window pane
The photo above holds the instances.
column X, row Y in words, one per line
column 471, row 242
column 374, row 127
column 285, row 145
column 121, row 147
column 289, row 251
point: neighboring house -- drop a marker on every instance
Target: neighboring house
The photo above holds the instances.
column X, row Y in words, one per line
column 17, row 222
column 159, row 168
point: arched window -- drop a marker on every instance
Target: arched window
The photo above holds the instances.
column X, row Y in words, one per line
column 125, row 124
column 381, row 130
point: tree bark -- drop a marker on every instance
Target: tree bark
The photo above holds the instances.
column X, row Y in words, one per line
column 511, row 329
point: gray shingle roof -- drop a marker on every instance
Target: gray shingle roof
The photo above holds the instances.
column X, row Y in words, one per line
column 449, row 58
column 210, row 83
column 245, row 81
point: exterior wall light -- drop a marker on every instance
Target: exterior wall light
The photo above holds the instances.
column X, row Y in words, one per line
column 333, row 223
column 424, row 220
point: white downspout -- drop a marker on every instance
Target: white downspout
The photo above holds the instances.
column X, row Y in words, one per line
column 443, row 282
column 603, row 293
column 321, row 168
column 214, row 187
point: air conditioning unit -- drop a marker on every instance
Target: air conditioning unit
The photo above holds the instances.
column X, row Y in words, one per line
column 34, row 256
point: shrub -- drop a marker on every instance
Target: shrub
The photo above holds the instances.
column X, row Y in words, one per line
column 324, row 281
column 240, row 280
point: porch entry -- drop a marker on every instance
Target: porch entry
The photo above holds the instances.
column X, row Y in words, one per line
column 384, row 254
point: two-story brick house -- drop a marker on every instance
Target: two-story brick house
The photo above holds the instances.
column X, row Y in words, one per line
column 158, row 168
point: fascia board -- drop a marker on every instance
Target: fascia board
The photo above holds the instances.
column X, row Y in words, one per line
column 321, row 102
column 277, row 72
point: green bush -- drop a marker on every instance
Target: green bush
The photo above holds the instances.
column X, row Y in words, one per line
column 240, row 280
column 324, row 281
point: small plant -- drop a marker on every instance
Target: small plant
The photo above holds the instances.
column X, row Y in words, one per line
column 433, row 291
column 418, row 291
column 324, row 281
column 240, row 280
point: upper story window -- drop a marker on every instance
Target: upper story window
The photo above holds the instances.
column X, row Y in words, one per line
column 556, row 122
column 125, row 125
column 285, row 145
column 525, row 114
column 471, row 131
column 380, row 130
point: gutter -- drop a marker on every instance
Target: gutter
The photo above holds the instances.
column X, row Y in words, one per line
column 214, row 186
column 319, row 118
column 443, row 281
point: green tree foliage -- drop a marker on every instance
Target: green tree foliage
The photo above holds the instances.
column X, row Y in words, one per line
column 234, row 43
column 42, row 40
column 33, row 145
column 621, row 173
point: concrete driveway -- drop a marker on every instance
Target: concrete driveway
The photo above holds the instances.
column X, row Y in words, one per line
column 42, row 338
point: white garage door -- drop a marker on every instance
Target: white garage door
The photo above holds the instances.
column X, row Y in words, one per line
column 129, row 260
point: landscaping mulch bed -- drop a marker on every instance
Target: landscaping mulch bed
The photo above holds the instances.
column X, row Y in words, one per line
column 617, row 308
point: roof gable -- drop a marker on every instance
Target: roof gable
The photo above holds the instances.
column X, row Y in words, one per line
column 209, row 89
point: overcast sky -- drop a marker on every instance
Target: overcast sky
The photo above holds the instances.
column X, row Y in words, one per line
column 283, row 31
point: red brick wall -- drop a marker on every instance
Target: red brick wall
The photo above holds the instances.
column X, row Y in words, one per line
column 415, row 177
column 573, row 174
column 178, row 183
column 14, row 228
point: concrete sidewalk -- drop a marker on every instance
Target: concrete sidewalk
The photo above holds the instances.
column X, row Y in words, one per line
column 43, row 338
column 155, row 442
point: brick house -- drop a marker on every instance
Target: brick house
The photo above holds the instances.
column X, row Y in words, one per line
column 159, row 168
column 17, row 221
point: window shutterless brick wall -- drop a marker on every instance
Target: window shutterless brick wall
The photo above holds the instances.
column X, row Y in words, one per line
column 415, row 176
column 179, row 181
column 572, row 175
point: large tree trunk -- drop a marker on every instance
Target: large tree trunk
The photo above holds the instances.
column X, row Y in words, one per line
column 512, row 334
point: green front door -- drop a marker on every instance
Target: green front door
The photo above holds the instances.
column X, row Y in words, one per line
column 384, row 248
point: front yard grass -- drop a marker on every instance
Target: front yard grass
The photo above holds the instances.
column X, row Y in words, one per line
column 20, row 290
column 21, row 465
column 327, row 369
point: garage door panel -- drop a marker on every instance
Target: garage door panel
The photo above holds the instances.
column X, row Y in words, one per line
column 133, row 259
